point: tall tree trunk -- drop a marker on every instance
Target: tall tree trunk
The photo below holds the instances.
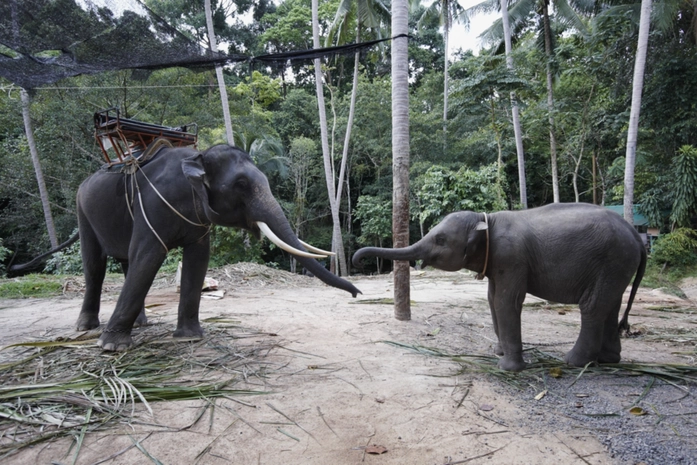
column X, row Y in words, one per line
column 337, row 241
column 219, row 74
column 43, row 192
column 633, row 129
column 400, row 155
column 514, row 108
column 550, row 102
column 446, row 37
column 347, row 139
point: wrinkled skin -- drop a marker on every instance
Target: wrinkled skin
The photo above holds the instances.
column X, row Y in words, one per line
column 567, row 253
column 219, row 186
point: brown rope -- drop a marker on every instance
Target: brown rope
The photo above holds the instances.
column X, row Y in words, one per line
column 480, row 276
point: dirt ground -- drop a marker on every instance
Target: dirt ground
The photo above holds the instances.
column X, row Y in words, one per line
column 344, row 391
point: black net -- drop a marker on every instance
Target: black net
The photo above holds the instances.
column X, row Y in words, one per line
column 43, row 41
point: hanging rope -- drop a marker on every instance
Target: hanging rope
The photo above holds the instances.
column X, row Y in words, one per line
column 131, row 169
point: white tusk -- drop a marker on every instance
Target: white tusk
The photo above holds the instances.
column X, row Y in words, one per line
column 312, row 248
column 276, row 240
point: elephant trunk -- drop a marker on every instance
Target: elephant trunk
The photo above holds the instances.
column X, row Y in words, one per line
column 275, row 219
column 410, row 253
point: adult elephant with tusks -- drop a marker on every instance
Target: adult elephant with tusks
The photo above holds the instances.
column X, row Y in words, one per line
column 171, row 201
column 568, row 253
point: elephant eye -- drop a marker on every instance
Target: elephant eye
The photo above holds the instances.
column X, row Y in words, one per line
column 440, row 240
column 241, row 183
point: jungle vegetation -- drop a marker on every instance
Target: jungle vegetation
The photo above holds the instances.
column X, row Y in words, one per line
column 462, row 156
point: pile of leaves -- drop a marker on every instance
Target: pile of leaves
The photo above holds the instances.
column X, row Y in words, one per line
column 69, row 387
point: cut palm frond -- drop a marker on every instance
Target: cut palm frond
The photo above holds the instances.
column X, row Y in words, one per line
column 65, row 387
column 543, row 363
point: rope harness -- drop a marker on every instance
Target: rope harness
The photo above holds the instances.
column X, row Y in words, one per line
column 480, row 276
column 130, row 170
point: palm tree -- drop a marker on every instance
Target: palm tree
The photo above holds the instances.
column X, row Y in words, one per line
column 520, row 13
column 400, row 154
column 447, row 12
column 633, row 129
column 43, row 192
column 518, row 133
column 370, row 14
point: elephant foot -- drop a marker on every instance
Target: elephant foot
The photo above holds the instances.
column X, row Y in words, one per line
column 498, row 350
column 189, row 331
column 112, row 341
column 85, row 322
column 609, row 357
column 511, row 363
column 575, row 359
column 142, row 320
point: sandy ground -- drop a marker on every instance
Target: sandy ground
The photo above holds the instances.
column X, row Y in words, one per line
column 340, row 393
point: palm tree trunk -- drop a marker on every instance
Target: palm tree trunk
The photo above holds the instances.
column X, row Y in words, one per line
column 550, row 103
column 446, row 38
column 400, row 155
column 43, row 192
column 514, row 109
column 337, row 241
column 633, row 129
column 219, row 75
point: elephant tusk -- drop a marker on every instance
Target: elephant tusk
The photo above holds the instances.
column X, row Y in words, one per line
column 276, row 240
column 315, row 249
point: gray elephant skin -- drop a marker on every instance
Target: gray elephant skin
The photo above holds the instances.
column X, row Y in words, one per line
column 567, row 253
column 172, row 201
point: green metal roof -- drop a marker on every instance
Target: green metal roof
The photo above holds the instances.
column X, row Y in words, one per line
column 639, row 219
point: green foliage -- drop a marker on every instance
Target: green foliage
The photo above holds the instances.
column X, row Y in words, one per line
column 678, row 248
column 375, row 215
column 444, row 191
column 232, row 246
column 260, row 89
column 684, row 186
column 32, row 285
column 4, row 253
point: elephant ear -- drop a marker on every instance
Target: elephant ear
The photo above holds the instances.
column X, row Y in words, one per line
column 196, row 175
column 475, row 253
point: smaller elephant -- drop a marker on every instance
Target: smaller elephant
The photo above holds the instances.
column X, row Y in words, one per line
column 568, row 253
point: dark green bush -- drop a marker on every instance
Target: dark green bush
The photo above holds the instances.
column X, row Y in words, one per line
column 678, row 248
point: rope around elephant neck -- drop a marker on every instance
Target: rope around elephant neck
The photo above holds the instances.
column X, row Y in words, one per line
column 134, row 181
column 480, row 276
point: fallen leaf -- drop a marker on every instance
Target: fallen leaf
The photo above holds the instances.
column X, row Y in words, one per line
column 638, row 411
column 486, row 407
column 375, row 450
column 581, row 395
column 541, row 395
column 555, row 372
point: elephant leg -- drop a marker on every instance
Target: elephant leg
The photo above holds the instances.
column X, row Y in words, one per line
column 145, row 260
column 142, row 319
column 94, row 268
column 498, row 350
column 612, row 347
column 194, row 266
column 595, row 315
column 508, row 305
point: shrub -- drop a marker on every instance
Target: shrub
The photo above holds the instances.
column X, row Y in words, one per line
column 678, row 248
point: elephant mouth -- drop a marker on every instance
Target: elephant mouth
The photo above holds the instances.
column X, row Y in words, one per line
column 318, row 253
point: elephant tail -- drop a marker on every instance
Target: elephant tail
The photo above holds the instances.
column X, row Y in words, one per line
column 37, row 260
column 624, row 323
